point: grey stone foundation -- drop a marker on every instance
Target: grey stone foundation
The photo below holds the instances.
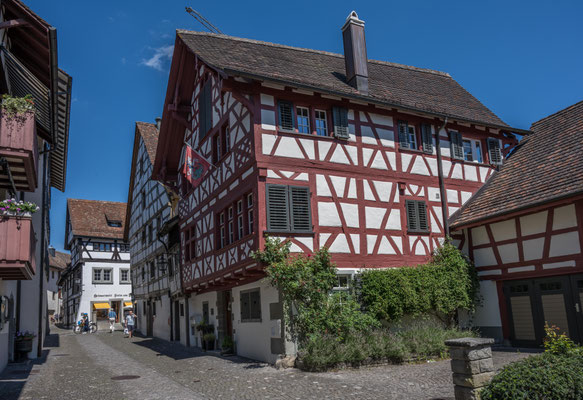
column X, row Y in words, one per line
column 472, row 366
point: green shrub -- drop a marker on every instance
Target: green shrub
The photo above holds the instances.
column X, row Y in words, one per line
column 448, row 283
column 557, row 343
column 325, row 351
column 547, row 376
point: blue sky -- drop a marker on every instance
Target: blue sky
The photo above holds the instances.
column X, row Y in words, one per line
column 522, row 59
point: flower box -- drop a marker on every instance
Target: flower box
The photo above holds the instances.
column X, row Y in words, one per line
column 19, row 147
column 17, row 246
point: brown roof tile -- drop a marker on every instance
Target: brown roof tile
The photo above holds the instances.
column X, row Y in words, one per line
column 547, row 166
column 60, row 260
column 390, row 83
column 90, row 218
column 149, row 134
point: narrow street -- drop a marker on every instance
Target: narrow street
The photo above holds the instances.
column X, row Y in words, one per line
column 105, row 365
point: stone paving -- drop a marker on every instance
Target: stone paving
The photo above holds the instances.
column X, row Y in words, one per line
column 83, row 366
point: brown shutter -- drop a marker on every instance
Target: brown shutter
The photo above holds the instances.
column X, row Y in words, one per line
column 340, row 119
column 286, row 115
column 426, row 138
column 412, row 224
column 457, row 146
column 422, row 215
column 403, row 128
column 277, row 208
column 299, row 199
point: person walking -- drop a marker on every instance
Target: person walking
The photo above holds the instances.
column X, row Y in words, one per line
column 112, row 316
column 130, row 321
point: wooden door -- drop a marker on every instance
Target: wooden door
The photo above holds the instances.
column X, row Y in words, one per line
column 150, row 319
column 177, row 321
column 521, row 312
column 554, row 298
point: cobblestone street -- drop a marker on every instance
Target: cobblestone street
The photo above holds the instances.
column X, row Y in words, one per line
column 89, row 366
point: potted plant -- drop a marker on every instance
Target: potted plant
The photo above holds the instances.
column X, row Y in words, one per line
column 17, row 208
column 228, row 346
column 23, row 341
column 209, row 341
column 12, row 106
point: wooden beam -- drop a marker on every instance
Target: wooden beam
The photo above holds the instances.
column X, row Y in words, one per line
column 180, row 108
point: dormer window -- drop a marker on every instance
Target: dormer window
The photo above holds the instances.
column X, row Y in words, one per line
column 114, row 224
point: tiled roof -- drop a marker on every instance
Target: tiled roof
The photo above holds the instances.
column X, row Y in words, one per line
column 393, row 84
column 89, row 218
column 547, row 166
column 60, row 260
column 149, row 134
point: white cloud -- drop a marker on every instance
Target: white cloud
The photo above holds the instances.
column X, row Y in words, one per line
column 161, row 55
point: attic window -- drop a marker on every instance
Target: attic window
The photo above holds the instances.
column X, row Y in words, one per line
column 114, row 224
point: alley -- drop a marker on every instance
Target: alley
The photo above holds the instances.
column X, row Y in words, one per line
column 110, row 366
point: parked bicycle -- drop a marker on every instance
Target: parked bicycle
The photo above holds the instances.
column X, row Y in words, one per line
column 84, row 325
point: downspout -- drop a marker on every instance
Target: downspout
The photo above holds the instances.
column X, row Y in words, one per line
column 41, row 271
column 442, row 193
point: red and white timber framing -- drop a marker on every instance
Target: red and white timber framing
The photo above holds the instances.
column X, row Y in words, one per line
column 542, row 241
column 358, row 187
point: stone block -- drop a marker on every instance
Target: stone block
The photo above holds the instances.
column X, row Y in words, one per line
column 473, row 381
column 469, row 342
column 465, row 393
column 471, row 354
column 472, row 367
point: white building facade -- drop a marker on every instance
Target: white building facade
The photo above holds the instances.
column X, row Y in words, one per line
column 152, row 232
column 99, row 275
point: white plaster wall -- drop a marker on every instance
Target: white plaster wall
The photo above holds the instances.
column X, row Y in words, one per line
column 7, row 288
column 488, row 314
column 195, row 314
column 161, row 327
column 253, row 339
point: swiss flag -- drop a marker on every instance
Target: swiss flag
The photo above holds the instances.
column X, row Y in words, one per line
column 195, row 166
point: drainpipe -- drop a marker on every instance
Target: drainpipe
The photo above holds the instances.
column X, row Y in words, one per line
column 41, row 271
column 442, row 192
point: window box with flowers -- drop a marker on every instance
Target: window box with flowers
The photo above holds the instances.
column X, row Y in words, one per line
column 17, row 240
column 23, row 341
column 18, row 143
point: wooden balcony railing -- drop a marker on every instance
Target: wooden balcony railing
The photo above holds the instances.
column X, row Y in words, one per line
column 17, row 248
column 18, row 152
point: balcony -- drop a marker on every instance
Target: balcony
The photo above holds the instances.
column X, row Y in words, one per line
column 18, row 152
column 17, row 245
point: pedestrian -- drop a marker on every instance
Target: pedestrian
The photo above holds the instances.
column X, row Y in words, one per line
column 112, row 316
column 130, row 321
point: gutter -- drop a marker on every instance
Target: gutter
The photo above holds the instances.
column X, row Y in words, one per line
column 41, row 271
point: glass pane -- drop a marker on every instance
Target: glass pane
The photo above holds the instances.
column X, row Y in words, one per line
column 478, row 152
column 468, row 155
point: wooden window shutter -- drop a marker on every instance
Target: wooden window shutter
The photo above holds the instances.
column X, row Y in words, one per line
column 412, row 220
column 286, row 115
column 422, row 214
column 340, row 119
column 255, row 305
column 457, row 146
column 205, row 109
column 277, row 208
column 494, row 151
column 299, row 199
column 245, row 305
column 403, row 129
column 426, row 138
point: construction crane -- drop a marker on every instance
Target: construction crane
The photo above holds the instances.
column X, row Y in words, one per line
column 204, row 22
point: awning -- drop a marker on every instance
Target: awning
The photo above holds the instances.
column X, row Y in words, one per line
column 100, row 306
column 127, row 304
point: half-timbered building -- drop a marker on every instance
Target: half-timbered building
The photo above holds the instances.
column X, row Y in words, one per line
column 58, row 262
column 33, row 159
column 99, row 275
column 368, row 158
column 152, row 232
column 524, row 231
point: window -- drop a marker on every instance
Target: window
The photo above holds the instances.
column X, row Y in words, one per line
column 472, row 150
column 240, row 225
column 426, row 138
column 205, row 312
column 457, row 146
column 217, row 148
column 416, row 216
column 102, row 275
column 205, row 109
column 250, row 306
column 494, row 151
column 159, row 222
column 143, row 273
column 186, row 246
column 321, row 123
column 144, row 307
column 303, row 116
column 221, row 230
column 144, row 236
column 114, row 224
column 340, row 120
column 227, row 138
column 152, row 270
column 288, row 209
column 342, row 282
column 230, row 225
column 124, row 275
column 150, row 233
column 286, row 115
column 249, row 213
column 407, row 136
column 182, row 309
column 143, row 199
column 154, row 307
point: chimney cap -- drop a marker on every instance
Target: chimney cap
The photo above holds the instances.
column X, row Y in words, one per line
column 352, row 19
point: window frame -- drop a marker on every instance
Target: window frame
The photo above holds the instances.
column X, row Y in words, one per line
column 124, row 281
column 250, row 216
column 102, row 279
column 324, row 120
column 289, row 209
column 417, row 204
column 249, row 317
column 240, row 222
column 476, row 149
column 307, row 118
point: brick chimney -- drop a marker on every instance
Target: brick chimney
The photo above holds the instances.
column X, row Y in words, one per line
column 355, row 57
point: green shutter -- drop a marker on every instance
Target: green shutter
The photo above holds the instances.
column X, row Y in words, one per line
column 426, row 138
column 340, row 119
column 403, row 129
column 245, row 309
column 494, row 151
column 286, row 115
column 457, row 146
column 277, row 208
column 299, row 200
column 412, row 220
column 422, row 216
column 255, row 305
